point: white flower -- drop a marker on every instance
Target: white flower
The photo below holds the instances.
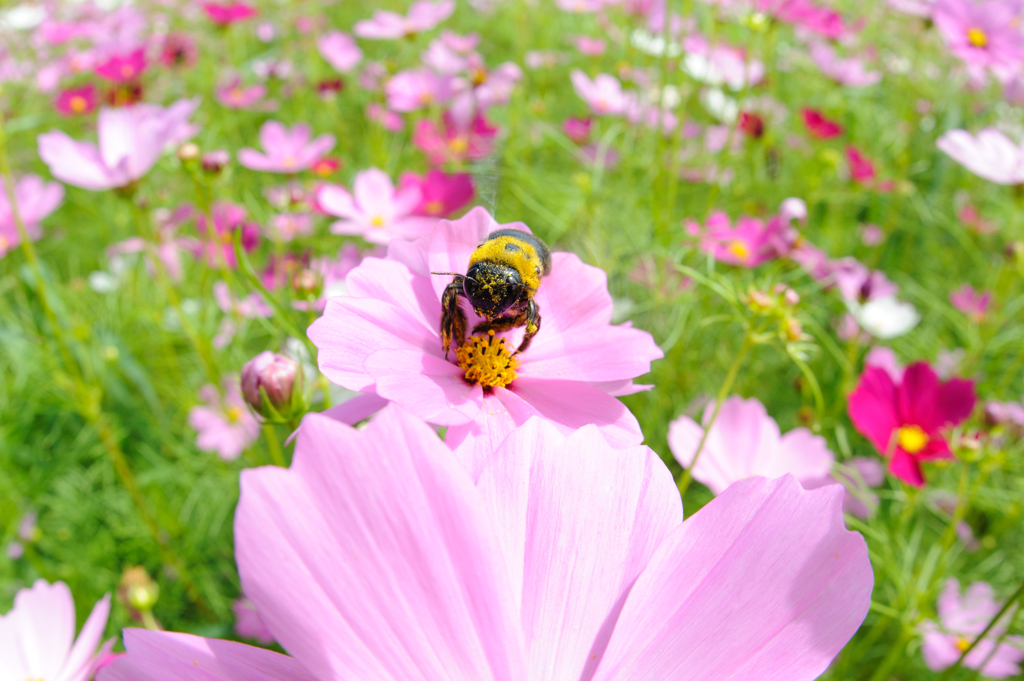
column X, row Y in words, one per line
column 23, row 17
column 886, row 317
column 720, row 105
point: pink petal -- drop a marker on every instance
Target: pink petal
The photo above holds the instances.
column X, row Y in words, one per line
column 374, row 192
column 39, row 631
column 275, row 139
column 76, row 163
column 79, row 662
column 254, row 160
column 578, row 521
column 872, row 407
column 382, row 538
column 475, row 442
column 763, row 582
column 429, row 387
column 391, row 282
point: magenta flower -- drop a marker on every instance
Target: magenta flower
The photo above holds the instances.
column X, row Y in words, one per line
column 36, row 636
column 416, row 89
column 217, row 247
column 454, row 143
column 234, row 95
column 962, row 618
column 603, row 94
column 374, row 210
column 849, row 71
column 225, row 14
column 423, row 16
column 123, row 68
column 991, row 155
column 804, row 13
column 749, row 243
column 385, row 338
column 905, row 421
column 972, row 303
column 76, row 101
column 361, row 573
column 223, row 422
column 819, row 126
column 577, row 129
column 982, row 34
column 441, row 194
column 286, row 151
column 745, row 441
column 248, row 623
column 131, row 140
column 862, row 170
column 36, row 200
column 339, row 50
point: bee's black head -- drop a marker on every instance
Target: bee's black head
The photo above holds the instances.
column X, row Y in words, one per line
column 492, row 288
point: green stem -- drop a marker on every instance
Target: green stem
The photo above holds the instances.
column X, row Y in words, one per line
column 723, row 392
column 276, row 455
column 891, row 659
column 1002, row 611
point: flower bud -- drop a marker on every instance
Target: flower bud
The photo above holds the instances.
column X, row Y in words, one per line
column 272, row 384
column 188, row 151
column 214, row 161
column 307, row 283
column 137, row 590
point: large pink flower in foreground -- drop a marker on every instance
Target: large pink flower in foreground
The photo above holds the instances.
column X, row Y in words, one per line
column 384, row 338
column 375, row 556
column 961, row 619
column 745, row 441
column 286, row 151
column 990, row 155
column 375, row 210
column 35, row 199
column 37, row 637
column 904, row 420
column 131, row 140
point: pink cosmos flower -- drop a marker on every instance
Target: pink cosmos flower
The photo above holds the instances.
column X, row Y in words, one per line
column 36, row 200
column 131, row 140
column 388, row 120
column 339, row 50
column 248, row 623
column 76, row 101
column 168, row 246
column 603, row 94
column 374, row 210
column 819, row 126
column 749, row 243
column 123, row 68
column 971, row 217
column 482, row 88
column 862, row 170
column 568, row 559
column 218, row 244
column 590, row 47
column 36, row 636
column 982, row 34
column 287, row 226
column 849, row 71
column 905, row 421
column 991, row 155
column 224, row 424
column 234, row 96
column 178, row 50
column 286, row 151
column 871, row 235
column 454, row 143
column 961, row 619
column 577, row 129
column 225, row 14
column 804, row 13
column 385, row 338
column 745, row 441
column 972, row 303
column 250, row 307
column 416, row 89
column 720, row 64
column 423, row 16
column 1005, row 412
column 441, row 194
column 857, row 283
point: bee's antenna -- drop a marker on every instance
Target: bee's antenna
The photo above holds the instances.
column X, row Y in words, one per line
column 454, row 274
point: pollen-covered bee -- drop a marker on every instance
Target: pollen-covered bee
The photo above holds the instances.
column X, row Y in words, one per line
column 503, row 276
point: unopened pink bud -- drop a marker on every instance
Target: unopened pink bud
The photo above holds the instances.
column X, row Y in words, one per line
column 277, row 375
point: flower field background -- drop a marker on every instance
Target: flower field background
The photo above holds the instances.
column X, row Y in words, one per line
column 811, row 214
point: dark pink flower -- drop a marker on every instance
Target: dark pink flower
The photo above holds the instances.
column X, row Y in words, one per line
column 76, row 101
column 441, row 194
column 455, row 143
column 862, row 170
column 972, row 303
column 218, row 245
column 225, row 14
column 577, row 129
column 982, row 34
column 905, row 422
column 178, row 50
column 286, row 150
column 123, row 68
column 819, row 126
column 749, row 243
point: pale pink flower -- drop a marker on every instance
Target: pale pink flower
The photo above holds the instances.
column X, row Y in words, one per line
column 580, row 6
column 131, row 140
column 990, row 155
column 388, row 120
column 871, row 235
column 250, row 307
column 35, row 200
column 444, row 59
column 859, row 475
column 603, row 94
column 375, row 556
column 416, row 89
column 962, row 617
column 234, row 95
column 849, row 71
column 590, row 47
column 452, row 142
column 286, row 151
column 885, row 358
column 374, row 210
column 37, row 637
column 287, row 226
column 168, row 247
column 385, row 338
column 745, row 441
column 857, row 283
column 481, row 89
column 982, row 34
column 224, row 424
column 248, row 623
column 423, row 16
column 339, row 50
column 720, row 64
column 972, row 303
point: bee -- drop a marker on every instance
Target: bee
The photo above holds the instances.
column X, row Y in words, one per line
column 503, row 276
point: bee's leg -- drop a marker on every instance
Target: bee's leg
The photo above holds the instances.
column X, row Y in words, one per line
column 453, row 319
column 499, row 324
column 532, row 323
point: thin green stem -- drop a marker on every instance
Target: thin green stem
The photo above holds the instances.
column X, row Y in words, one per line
column 891, row 659
column 276, row 455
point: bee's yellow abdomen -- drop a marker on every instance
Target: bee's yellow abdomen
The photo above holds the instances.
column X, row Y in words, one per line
column 515, row 253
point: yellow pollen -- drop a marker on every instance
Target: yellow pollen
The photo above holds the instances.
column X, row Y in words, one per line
column 487, row 361
column 233, row 414
column 433, row 207
column 479, row 76
column 377, row 221
column 127, row 71
column 739, row 249
column 288, row 162
column 962, row 644
column 459, row 144
column 912, row 439
column 78, row 104
column 977, row 37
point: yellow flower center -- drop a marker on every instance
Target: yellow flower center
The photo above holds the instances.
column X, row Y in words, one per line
column 433, row 207
column 377, row 221
column 912, row 439
column 233, row 414
column 78, row 104
column 479, row 77
column 459, row 144
column 487, row 361
column 288, row 162
column 739, row 249
column 977, row 37
column 962, row 644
